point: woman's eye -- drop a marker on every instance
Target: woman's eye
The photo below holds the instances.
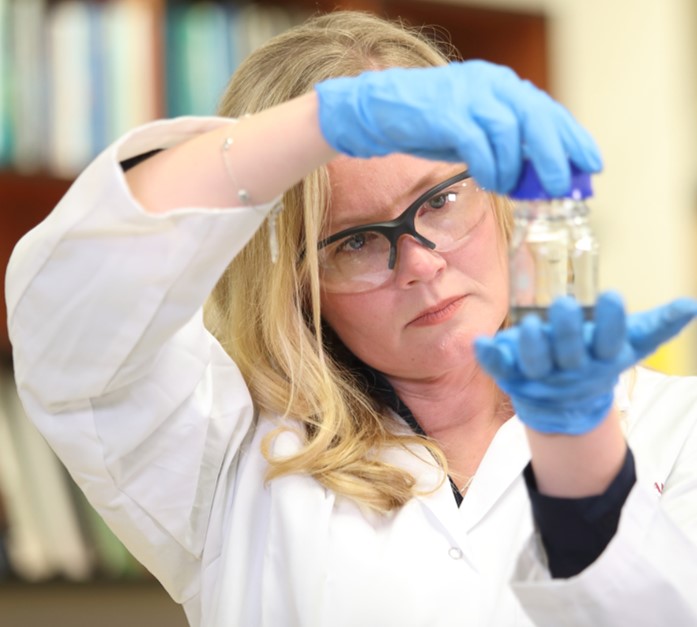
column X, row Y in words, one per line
column 439, row 201
column 353, row 243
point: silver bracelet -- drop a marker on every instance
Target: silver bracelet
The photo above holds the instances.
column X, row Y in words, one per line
column 242, row 193
column 246, row 200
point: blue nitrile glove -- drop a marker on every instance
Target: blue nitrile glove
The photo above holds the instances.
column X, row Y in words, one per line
column 474, row 112
column 560, row 374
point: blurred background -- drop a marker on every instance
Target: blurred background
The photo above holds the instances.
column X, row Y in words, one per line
column 76, row 74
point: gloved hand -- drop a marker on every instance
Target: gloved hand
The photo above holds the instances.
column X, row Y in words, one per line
column 474, row 112
column 560, row 374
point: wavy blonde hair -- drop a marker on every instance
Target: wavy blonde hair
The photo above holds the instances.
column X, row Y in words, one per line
column 267, row 316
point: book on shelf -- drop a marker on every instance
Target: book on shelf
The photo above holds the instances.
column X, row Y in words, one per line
column 131, row 51
column 6, row 82
column 201, row 61
column 25, row 30
column 70, row 92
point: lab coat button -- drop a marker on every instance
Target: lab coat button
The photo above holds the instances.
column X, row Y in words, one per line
column 455, row 553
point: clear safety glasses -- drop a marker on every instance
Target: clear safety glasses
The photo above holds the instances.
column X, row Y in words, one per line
column 362, row 257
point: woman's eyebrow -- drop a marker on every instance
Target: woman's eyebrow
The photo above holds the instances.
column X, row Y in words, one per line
column 433, row 178
column 379, row 214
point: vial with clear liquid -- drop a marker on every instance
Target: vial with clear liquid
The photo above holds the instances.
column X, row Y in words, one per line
column 553, row 251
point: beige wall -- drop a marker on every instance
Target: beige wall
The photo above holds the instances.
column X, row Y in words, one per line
column 628, row 70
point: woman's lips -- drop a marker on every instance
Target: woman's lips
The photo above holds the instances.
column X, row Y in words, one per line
column 439, row 313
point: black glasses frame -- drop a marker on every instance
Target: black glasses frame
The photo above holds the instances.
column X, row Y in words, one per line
column 403, row 224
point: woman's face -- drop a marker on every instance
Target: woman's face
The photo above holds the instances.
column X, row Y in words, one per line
column 421, row 322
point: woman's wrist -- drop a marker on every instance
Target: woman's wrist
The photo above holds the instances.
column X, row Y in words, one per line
column 576, row 466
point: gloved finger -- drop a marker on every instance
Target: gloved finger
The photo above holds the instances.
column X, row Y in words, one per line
column 501, row 127
column 541, row 141
column 546, row 152
column 541, row 137
column 474, row 149
column 648, row 330
column 566, row 325
column 579, row 145
column 534, row 353
column 496, row 357
column 610, row 328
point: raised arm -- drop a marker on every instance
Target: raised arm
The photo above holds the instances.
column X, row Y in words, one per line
column 270, row 152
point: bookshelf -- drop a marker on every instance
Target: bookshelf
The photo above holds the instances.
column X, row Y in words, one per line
column 29, row 190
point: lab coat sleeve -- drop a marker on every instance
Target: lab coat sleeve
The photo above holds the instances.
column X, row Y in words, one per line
column 647, row 573
column 113, row 363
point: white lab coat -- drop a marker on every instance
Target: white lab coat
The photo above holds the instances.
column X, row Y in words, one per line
column 155, row 423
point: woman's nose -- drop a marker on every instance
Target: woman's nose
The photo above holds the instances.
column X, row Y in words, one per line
column 416, row 262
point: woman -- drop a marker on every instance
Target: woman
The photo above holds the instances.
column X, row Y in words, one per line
column 353, row 463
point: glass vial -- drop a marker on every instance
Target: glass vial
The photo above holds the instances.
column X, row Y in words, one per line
column 553, row 251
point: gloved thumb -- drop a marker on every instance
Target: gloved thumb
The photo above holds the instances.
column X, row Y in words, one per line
column 646, row 331
column 496, row 356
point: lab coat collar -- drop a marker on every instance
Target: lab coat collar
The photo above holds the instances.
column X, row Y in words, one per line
column 499, row 469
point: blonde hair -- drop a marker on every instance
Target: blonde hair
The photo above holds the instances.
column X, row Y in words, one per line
column 267, row 316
